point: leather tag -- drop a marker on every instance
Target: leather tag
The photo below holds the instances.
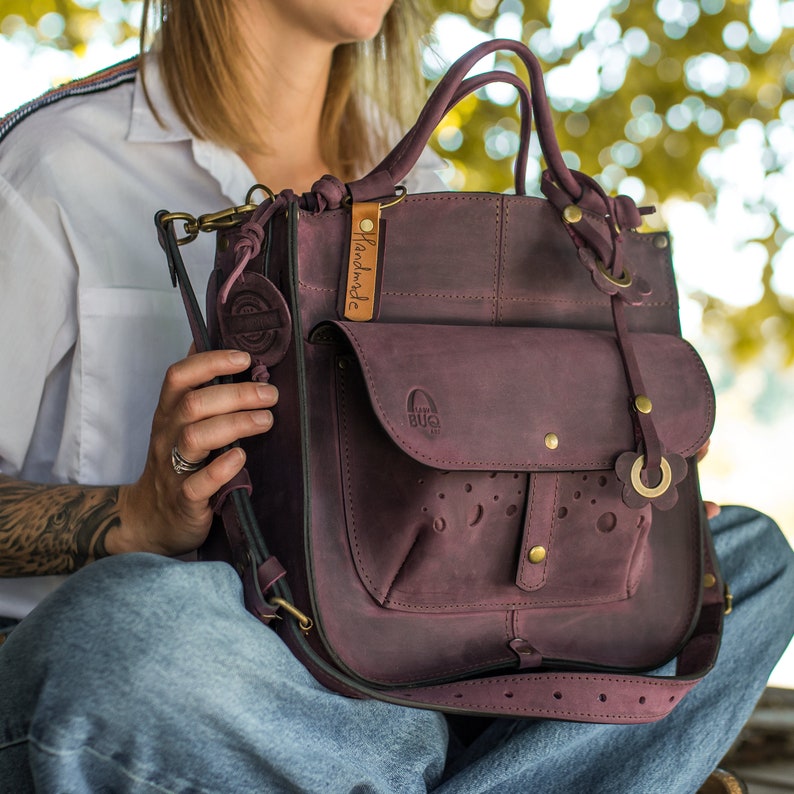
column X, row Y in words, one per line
column 362, row 267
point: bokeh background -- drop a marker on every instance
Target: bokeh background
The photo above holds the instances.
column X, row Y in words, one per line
column 684, row 104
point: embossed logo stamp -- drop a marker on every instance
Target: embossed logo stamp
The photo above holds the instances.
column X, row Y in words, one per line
column 422, row 412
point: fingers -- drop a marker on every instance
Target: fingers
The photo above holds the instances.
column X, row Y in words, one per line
column 199, row 404
column 214, row 416
column 196, row 370
column 196, row 440
column 703, row 451
column 201, row 486
column 712, row 509
column 198, row 418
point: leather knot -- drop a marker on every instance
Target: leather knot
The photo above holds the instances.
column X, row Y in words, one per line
column 252, row 235
column 328, row 192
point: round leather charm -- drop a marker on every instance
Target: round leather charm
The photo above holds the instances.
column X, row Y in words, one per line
column 255, row 318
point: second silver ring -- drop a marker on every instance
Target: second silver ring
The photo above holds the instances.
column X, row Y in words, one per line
column 181, row 464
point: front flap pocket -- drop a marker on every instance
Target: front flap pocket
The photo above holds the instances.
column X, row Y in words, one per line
column 525, row 399
column 454, row 501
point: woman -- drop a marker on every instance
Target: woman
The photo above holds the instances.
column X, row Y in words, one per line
column 143, row 673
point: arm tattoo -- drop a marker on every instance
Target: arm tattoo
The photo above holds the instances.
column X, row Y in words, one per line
column 47, row 529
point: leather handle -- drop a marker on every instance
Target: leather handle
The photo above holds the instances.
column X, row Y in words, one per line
column 394, row 167
column 420, row 133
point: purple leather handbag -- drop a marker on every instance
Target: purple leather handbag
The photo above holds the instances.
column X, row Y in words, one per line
column 480, row 494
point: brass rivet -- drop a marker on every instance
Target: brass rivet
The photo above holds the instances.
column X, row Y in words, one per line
column 643, row 404
column 223, row 243
column 342, row 363
column 572, row 214
column 366, row 225
column 660, row 241
column 551, row 440
column 536, row 554
column 709, row 580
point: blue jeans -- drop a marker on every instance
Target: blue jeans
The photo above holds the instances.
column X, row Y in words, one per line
column 144, row 674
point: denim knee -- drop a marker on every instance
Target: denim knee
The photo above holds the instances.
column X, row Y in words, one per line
column 755, row 556
column 152, row 670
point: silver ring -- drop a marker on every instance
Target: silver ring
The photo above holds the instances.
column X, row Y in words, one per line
column 183, row 465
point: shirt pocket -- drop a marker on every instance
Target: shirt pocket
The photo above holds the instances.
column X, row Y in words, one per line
column 128, row 337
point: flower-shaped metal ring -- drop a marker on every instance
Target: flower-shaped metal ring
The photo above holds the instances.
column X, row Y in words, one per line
column 630, row 287
column 637, row 494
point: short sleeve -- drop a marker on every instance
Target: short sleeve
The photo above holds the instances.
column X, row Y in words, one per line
column 38, row 323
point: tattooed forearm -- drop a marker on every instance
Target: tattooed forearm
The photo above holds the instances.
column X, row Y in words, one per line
column 47, row 529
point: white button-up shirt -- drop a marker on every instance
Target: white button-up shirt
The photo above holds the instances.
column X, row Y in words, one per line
column 89, row 320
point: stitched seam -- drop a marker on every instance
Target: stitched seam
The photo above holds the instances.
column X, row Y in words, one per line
column 508, row 299
column 372, row 586
column 467, row 668
column 386, row 599
column 502, row 259
column 497, row 261
column 528, row 603
column 572, row 677
column 512, row 299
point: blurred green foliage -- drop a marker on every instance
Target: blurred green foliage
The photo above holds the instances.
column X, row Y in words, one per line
column 677, row 77
column 669, row 81
column 68, row 24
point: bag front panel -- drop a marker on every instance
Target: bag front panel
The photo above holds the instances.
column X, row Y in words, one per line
column 381, row 630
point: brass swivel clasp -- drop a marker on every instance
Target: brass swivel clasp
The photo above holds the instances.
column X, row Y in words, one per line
column 214, row 221
column 305, row 623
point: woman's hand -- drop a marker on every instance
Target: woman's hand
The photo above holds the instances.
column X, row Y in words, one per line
column 167, row 512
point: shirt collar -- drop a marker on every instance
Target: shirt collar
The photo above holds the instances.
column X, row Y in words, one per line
column 144, row 126
column 225, row 166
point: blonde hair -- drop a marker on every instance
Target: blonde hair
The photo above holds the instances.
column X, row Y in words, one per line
column 375, row 88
